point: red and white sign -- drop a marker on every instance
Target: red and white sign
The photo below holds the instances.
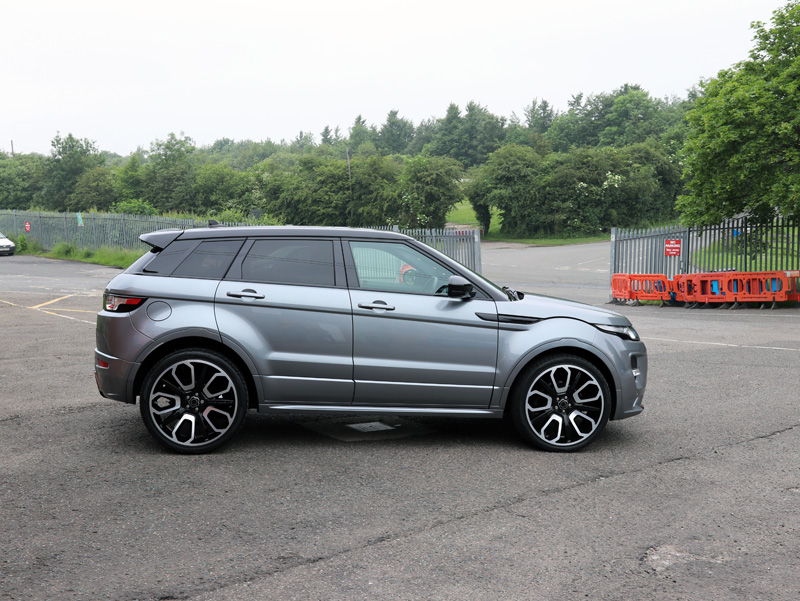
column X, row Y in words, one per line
column 672, row 248
column 27, row 226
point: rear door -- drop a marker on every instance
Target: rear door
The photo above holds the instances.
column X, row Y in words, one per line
column 412, row 344
column 285, row 301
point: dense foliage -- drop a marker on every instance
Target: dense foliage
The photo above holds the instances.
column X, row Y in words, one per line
column 743, row 150
column 610, row 160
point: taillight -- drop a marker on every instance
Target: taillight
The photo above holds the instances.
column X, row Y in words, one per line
column 120, row 304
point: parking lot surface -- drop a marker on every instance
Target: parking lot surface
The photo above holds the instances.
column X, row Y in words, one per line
column 697, row 498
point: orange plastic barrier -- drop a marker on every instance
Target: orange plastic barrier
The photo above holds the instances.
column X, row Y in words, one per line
column 712, row 287
column 687, row 288
column 763, row 286
column 736, row 287
column 649, row 287
column 620, row 286
column 793, row 285
column 721, row 287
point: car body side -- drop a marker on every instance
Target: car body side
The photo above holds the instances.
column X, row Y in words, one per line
column 184, row 313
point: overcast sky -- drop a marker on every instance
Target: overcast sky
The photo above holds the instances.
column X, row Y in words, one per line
column 124, row 74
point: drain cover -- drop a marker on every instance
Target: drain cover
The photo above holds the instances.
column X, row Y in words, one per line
column 371, row 427
column 353, row 430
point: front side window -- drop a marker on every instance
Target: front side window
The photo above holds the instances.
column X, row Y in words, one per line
column 395, row 267
column 305, row 262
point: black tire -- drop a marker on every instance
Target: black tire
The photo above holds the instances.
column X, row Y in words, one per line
column 560, row 403
column 193, row 401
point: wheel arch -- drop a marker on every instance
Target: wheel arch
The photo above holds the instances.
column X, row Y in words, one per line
column 231, row 351
column 564, row 347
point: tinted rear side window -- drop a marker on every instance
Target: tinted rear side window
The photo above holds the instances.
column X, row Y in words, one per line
column 168, row 259
column 306, row 262
column 209, row 259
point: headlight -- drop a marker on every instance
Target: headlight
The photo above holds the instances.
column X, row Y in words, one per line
column 626, row 332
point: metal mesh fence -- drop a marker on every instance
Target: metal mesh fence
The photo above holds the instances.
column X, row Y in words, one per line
column 96, row 230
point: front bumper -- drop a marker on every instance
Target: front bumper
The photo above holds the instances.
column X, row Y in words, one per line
column 632, row 369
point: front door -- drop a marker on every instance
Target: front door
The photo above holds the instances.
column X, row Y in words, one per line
column 412, row 344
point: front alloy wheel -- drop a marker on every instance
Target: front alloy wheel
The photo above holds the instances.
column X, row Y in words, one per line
column 561, row 403
column 193, row 401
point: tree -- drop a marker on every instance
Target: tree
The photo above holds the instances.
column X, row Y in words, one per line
column 446, row 140
column 539, row 117
column 423, row 134
column 631, row 118
column 742, row 153
column 129, row 178
column 361, row 133
column 468, row 139
column 429, row 188
column 68, row 159
column 95, row 189
column 20, row 180
column 395, row 134
column 507, row 182
column 168, row 177
column 375, row 191
column 218, row 187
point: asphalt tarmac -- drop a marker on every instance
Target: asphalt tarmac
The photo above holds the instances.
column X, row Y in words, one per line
column 697, row 498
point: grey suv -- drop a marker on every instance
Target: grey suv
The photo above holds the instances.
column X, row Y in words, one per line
column 215, row 321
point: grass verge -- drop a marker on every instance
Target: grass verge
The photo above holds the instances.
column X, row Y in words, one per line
column 463, row 214
column 112, row 257
column 106, row 255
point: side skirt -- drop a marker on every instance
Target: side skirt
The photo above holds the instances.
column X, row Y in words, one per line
column 268, row 408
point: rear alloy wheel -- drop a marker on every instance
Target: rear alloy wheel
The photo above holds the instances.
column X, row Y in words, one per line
column 193, row 401
column 562, row 403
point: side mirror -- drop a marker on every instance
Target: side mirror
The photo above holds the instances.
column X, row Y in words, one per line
column 458, row 287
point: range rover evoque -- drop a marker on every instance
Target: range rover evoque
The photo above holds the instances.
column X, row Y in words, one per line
column 214, row 321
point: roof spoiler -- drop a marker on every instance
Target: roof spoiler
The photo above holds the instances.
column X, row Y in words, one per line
column 161, row 239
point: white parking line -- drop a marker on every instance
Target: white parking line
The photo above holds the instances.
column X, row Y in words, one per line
column 769, row 348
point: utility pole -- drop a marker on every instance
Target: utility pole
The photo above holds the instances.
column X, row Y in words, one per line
column 12, row 149
column 349, row 173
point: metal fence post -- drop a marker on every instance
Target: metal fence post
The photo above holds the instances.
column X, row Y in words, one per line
column 613, row 263
column 477, row 251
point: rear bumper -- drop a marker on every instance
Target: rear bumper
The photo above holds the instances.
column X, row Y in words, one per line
column 111, row 375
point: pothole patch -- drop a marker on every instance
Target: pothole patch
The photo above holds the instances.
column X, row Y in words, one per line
column 360, row 429
column 664, row 556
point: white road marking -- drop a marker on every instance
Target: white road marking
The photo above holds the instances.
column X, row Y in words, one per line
column 769, row 348
column 91, row 323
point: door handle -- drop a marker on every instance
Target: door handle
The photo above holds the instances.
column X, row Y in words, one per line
column 247, row 293
column 376, row 305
